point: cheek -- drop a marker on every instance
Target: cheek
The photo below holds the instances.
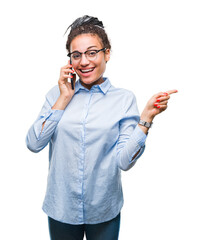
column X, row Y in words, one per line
column 74, row 66
column 102, row 65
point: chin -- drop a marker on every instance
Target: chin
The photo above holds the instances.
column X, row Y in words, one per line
column 87, row 81
column 90, row 81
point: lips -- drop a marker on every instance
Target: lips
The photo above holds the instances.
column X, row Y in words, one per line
column 87, row 70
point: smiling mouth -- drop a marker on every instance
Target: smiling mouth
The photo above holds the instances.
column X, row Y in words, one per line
column 86, row 70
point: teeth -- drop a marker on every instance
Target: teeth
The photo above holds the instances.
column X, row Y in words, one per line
column 86, row 70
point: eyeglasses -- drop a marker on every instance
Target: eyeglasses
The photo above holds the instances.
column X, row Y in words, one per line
column 91, row 55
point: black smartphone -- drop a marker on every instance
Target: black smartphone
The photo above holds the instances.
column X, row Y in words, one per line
column 72, row 84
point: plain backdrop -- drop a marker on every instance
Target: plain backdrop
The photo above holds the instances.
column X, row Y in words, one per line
column 157, row 45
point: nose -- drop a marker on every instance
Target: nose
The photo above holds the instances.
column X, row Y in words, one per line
column 84, row 61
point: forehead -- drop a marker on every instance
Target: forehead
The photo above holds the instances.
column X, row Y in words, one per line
column 84, row 41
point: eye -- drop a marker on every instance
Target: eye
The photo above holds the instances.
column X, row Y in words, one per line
column 76, row 55
column 91, row 53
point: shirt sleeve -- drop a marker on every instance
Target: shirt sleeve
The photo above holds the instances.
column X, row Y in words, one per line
column 36, row 138
column 131, row 138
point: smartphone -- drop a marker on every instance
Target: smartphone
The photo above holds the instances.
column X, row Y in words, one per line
column 72, row 84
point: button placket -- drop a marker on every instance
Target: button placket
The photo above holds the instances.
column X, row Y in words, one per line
column 82, row 155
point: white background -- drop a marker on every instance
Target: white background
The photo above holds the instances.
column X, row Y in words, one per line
column 156, row 46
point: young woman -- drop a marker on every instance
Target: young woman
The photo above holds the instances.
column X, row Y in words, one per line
column 94, row 131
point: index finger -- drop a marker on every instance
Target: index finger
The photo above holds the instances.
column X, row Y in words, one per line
column 172, row 91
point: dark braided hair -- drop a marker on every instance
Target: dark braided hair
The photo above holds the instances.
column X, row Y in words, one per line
column 87, row 24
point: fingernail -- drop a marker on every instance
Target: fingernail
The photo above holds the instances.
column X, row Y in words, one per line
column 155, row 104
column 158, row 106
column 158, row 100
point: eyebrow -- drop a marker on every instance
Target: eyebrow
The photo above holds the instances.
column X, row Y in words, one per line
column 91, row 47
column 87, row 48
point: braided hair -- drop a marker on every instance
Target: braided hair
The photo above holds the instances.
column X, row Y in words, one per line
column 85, row 25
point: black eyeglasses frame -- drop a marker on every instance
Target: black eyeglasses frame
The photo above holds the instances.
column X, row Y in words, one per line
column 69, row 54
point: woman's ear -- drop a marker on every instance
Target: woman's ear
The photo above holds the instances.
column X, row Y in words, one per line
column 107, row 55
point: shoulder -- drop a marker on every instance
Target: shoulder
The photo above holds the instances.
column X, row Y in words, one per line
column 125, row 94
column 126, row 99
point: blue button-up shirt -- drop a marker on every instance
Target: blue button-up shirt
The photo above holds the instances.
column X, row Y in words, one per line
column 89, row 143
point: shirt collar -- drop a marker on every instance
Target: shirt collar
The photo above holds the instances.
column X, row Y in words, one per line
column 103, row 87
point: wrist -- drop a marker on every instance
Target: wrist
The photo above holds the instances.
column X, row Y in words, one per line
column 147, row 115
column 145, row 124
column 64, row 98
column 61, row 103
column 146, row 118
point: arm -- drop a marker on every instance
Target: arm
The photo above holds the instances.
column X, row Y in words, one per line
column 43, row 128
column 66, row 92
column 60, row 104
column 131, row 143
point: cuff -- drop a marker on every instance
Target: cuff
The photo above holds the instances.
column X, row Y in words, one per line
column 53, row 115
column 139, row 137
